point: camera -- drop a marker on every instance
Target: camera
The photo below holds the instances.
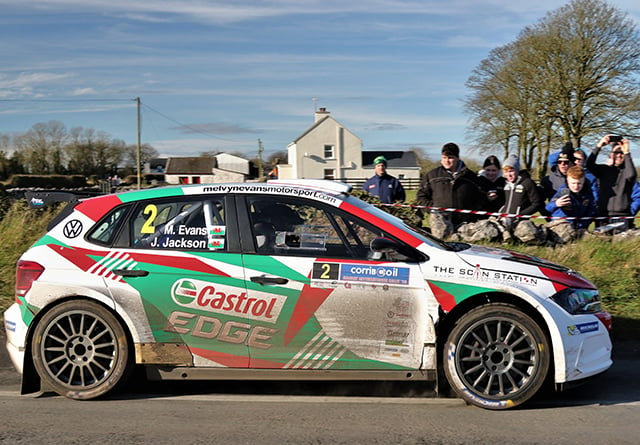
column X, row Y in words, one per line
column 614, row 138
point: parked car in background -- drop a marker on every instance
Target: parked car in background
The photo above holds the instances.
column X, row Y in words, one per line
column 289, row 280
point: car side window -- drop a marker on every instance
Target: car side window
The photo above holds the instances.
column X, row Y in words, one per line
column 287, row 226
column 107, row 228
column 184, row 224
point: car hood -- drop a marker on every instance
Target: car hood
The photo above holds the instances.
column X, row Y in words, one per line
column 502, row 260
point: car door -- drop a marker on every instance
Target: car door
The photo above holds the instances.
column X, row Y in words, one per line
column 328, row 302
column 177, row 256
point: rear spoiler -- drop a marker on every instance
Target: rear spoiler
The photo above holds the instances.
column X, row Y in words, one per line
column 38, row 200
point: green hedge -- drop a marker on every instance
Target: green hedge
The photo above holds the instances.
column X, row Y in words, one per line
column 146, row 178
column 47, row 181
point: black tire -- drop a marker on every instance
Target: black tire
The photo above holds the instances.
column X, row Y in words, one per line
column 80, row 350
column 496, row 357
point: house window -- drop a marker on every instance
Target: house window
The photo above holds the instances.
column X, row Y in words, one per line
column 183, row 179
column 329, row 173
column 329, row 152
column 195, row 180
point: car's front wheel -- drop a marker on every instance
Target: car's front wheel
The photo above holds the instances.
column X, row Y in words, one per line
column 80, row 350
column 496, row 356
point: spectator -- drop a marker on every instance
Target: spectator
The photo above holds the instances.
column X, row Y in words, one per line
column 492, row 184
column 451, row 185
column 558, row 176
column 616, row 180
column 635, row 198
column 580, row 159
column 575, row 199
column 520, row 192
column 383, row 185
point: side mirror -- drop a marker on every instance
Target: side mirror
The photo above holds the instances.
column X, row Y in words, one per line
column 385, row 247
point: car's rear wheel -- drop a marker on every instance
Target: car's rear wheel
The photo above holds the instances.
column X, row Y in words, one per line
column 496, row 356
column 80, row 350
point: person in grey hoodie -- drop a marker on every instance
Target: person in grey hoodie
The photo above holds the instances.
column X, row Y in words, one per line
column 616, row 180
column 520, row 192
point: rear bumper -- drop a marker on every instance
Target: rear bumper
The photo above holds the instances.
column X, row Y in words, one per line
column 16, row 332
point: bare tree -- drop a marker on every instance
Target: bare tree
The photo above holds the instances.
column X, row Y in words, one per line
column 147, row 152
column 42, row 147
column 571, row 76
column 91, row 152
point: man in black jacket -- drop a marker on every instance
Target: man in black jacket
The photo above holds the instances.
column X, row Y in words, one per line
column 452, row 185
column 616, row 179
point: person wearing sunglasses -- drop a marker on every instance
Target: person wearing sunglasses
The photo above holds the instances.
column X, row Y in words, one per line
column 616, row 179
column 551, row 183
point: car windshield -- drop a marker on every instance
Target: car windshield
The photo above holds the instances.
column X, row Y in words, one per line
column 419, row 233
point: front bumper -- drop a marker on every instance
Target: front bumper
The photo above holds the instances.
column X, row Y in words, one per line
column 588, row 350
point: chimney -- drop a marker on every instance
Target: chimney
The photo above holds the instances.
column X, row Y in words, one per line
column 321, row 114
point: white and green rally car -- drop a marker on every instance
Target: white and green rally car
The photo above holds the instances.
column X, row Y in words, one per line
column 290, row 280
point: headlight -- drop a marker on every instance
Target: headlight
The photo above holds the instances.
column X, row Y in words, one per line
column 578, row 301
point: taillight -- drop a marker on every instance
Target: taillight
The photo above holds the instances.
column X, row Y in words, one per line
column 26, row 273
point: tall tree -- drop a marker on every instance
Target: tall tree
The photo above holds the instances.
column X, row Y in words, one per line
column 571, row 76
column 147, row 152
column 42, row 147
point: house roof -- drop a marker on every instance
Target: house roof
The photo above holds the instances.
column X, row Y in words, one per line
column 395, row 159
column 196, row 165
column 316, row 125
column 311, row 128
column 158, row 162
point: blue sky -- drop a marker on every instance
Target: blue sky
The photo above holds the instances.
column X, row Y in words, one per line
column 219, row 75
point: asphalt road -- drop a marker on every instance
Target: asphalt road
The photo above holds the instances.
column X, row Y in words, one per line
column 604, row 410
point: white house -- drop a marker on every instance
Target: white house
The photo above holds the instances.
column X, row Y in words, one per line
column 328, row 150
column 222, row 167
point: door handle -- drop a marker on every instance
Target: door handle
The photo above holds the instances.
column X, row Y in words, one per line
column 131, row 273
column 269, row 280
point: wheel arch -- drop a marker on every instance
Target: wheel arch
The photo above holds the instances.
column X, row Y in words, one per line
column 31, row 381
column 446, row 321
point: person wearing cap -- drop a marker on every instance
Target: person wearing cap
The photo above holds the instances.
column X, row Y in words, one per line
column 521, row 194
column 616, row 180
column 492, row 183
column 558, row 175
column 574, row 199
column 452, row 185
column 383, row 185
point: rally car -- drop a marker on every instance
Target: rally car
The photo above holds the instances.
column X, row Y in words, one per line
column 290, row 280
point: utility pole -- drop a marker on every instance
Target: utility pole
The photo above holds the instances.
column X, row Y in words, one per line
column 138, row 149
column 260, row 166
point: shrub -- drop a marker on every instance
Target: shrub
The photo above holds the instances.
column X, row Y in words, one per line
column 47, row 181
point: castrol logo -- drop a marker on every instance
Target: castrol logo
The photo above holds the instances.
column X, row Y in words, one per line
column 227, row 300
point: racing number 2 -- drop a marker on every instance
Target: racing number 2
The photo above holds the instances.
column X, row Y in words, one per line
column 325, row 271
column 148, row 226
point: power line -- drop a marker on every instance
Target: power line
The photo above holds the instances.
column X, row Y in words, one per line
column 193, row 129
column 169, row 118
column 66, row 100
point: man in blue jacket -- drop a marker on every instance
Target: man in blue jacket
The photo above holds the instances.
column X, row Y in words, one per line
column 383, row 185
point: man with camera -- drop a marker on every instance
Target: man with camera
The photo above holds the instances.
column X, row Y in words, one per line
column 616, row 179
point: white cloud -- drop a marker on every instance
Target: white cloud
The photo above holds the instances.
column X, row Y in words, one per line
column 83, row 91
